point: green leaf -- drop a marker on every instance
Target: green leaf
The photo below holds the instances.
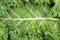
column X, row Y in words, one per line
column 29, row 20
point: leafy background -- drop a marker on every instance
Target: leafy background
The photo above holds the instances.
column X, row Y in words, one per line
column 29, row 29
